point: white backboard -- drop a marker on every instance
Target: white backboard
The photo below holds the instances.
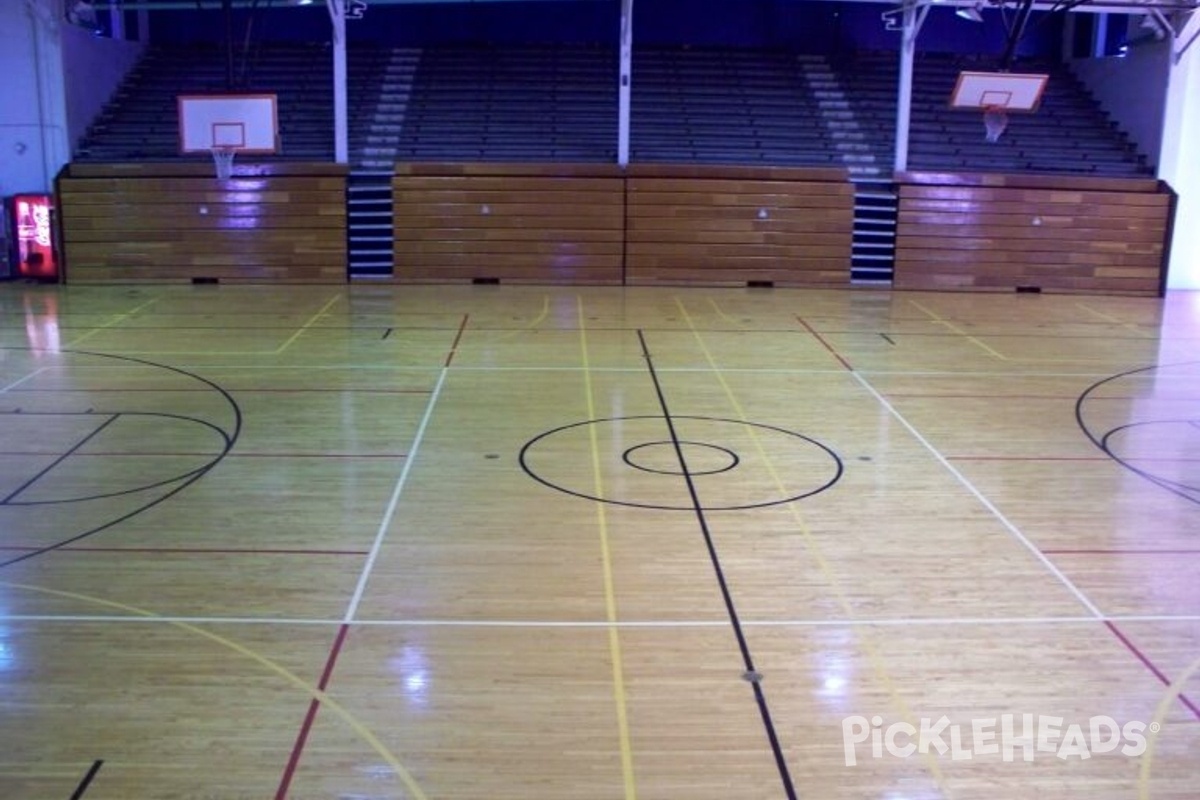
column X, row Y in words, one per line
column 245, row 122
column 1011, row 91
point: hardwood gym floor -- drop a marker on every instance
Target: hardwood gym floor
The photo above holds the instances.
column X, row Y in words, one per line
column 498, row 543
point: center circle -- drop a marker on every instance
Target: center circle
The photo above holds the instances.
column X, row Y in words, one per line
column 681, row 463
column 664, row 458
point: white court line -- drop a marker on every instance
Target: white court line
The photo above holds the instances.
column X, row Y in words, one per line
column 962, row 479
column 390, row 512
column 30, row 376
column 601, row 624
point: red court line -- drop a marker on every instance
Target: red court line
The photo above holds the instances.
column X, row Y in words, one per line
column 1028, row 458
column 1150, row 666
column 826, row 344
column 1120, row 552
column 457, row 338
column 136, row 454
column 256, row 551
column 349, row 390
column 285, row 782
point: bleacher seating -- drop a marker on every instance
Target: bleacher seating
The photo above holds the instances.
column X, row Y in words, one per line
column 1068, row 134
column 141, row 123
column 532, row 103
column 712, row 106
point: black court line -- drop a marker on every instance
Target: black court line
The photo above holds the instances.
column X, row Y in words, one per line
column 387, row 333
column 888, row 339
column 1101, row 441
column 113, row 418
column 230, row 438
column 87, row 779
column 747, row 659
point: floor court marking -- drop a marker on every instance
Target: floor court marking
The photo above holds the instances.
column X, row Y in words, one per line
column 751, row 672
column 28, row 377
column 1013, row 530
column 610, row 599
column 394, row 500
column 937, row 318
column 87, row 779
column 313, row 692
column 115, row 321
column 1110, row 318
column 900, row 622
column 1173, row 691
column 810, row 542
column 311, row 321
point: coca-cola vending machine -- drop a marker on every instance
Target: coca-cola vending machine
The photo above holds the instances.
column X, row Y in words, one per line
column 32, row 252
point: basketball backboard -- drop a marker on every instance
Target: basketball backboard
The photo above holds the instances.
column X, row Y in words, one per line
column 1010, row 91
column 245, row 123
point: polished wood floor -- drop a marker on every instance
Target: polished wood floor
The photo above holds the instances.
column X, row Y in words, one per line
column 493, row 543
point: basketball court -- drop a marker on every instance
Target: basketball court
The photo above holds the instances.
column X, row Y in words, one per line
column 525, row 543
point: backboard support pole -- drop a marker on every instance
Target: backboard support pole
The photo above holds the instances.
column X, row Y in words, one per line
column 341, row 124
column 914, row 18
column 625, row 83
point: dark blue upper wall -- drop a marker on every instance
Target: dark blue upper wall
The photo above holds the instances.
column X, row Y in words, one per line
column 814, row 27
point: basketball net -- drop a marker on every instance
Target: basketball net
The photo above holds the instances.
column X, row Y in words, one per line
column 223, row 158
column 994, row 121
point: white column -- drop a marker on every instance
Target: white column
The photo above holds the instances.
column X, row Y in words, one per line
column 908, row 49
column 341, row 125
column 1179, row 161
column 625, row 81
column 116, row 17
column 1100, row 36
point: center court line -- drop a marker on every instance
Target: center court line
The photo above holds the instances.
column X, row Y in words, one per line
column 760, row 696
column 810, row 543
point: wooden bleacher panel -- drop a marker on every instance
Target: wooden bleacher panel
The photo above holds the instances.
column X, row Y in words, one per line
column 1050, row 233
column 169, row 223
column 516, row 223
column 713, row 225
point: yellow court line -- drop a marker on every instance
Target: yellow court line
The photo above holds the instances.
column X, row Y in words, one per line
column 1110, row 318
column 955, row 329
column 114, row 321
column 610, row 599
column 1164, row 705
column 315, row 693
column 538, row 320
column 309, row 324
column 815, row 551
column 721, row 313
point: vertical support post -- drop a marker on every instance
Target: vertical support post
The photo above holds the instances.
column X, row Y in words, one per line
column 908, row 49
column 341, row 123
column 624, row 83
column 1179, row 162
column 1100, row 36
column 116, row 22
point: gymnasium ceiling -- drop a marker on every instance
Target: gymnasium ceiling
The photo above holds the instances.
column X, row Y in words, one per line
column 1094, row 6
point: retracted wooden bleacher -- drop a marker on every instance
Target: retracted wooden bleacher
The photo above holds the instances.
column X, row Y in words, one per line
column 175, row 222
column 1053, row 233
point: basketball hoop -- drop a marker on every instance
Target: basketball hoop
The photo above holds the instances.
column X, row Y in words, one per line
column 994, row 121
column 223, row 158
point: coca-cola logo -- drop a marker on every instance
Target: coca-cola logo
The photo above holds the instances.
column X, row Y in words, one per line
column 33, row 222
column 41, row 225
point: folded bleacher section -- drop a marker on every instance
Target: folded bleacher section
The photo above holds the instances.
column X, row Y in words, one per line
column 1069, row 133
column 711, row 106
column 141, row 123
column 523, row 103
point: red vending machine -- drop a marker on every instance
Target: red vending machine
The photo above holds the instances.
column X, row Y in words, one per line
column 31, row 222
